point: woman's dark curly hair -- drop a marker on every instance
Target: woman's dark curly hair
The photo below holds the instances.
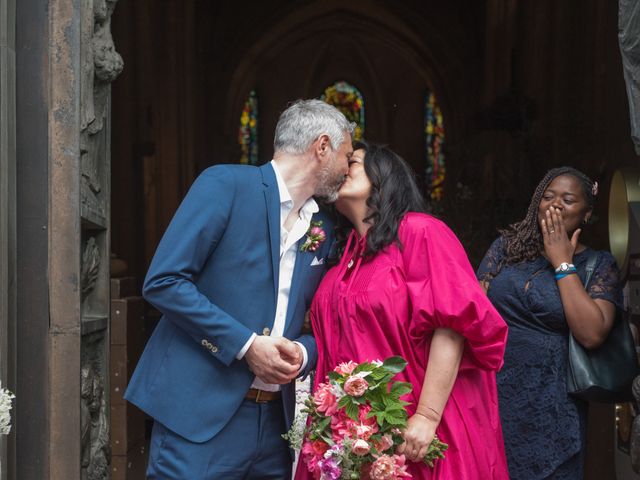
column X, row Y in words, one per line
column 523, row 240
column 394, row 192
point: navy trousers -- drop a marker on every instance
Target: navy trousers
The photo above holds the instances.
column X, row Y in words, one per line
column 249, row 447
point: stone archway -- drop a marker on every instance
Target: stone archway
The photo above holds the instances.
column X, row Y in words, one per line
column 427, row 52
column 178, row 112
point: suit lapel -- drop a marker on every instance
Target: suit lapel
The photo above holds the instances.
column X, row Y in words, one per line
column 272, row 201
column 303, row 260
column 301, row 268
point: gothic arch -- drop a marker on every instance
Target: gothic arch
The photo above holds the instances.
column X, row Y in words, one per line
column 429, row 51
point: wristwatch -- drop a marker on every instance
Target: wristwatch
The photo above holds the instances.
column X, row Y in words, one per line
column 565, row 267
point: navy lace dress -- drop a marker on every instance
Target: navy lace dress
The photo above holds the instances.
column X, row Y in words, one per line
column 544, row 428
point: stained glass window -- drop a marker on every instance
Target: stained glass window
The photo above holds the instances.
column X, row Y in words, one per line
column 248, row 130
column 348, row 99
column 434, row 142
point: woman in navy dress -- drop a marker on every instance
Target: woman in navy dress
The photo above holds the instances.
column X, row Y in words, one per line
column 532, row 273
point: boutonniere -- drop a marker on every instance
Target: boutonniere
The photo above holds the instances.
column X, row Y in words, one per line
column 315, row 236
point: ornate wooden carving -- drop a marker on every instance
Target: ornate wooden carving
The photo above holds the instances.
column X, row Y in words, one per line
column 96, row 452
column 90, row 267
column 101, row 64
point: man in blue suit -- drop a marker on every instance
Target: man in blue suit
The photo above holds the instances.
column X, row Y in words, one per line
column 233, row 277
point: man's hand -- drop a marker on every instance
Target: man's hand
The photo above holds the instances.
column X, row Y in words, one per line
column 274, row 359
column 295, row 357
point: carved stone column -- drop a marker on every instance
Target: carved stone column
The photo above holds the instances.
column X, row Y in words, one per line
column 83, row 63
column 100, row 64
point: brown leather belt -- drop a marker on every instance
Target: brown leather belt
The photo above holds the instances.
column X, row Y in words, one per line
column 262, row 396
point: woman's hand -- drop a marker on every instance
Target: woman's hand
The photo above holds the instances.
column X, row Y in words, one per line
column 557, row 246
column 417, row 437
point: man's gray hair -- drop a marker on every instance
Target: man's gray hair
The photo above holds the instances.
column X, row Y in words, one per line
column 304, row 121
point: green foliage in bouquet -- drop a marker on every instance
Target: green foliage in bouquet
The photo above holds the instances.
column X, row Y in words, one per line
column 355, row 424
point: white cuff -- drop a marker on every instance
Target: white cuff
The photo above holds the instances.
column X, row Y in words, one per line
column 242, row 352
column 305, row 357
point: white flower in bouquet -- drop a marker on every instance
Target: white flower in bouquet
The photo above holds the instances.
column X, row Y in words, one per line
column 5, row 414
column 295, row 435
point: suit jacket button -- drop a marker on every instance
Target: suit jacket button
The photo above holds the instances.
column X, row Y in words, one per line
column 204, row 342
column 214, row 349
column 266, row 331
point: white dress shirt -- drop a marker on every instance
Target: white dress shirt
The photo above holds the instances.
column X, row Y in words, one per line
column 288, row 252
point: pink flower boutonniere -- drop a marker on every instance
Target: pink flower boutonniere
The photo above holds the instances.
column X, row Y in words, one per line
column 315, row 236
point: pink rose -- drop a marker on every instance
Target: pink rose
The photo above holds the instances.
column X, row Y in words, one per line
column 342, row 426
column 363, row 416
column 345, row 368
column 325, row 400
column 355, row 386
column 385, row 442
column 364, row 431
column 368, row 425
column 312, row 453
column 316, row 448
column 383, row 468
column 318, row 233
column 319, row 447
column 400, row 467
column 307, row 448
column 360, row 447
column 389, row 468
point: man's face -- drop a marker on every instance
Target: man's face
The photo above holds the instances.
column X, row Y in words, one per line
column 334, row 171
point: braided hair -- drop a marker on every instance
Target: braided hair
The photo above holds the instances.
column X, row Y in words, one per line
column 523, row 240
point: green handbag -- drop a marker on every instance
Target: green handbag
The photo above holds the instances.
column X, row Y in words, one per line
column 603, row 374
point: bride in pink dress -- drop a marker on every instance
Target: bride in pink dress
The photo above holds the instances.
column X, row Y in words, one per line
column 404, row 286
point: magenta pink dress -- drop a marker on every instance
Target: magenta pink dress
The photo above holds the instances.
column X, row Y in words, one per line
column 369, row 309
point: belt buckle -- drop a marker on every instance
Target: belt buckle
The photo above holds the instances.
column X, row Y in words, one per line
column 258, row 397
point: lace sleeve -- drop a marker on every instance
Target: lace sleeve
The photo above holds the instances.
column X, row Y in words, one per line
column 605, row 282
column 492, row 261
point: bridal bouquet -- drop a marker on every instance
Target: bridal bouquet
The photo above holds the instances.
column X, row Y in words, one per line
column 355, row 424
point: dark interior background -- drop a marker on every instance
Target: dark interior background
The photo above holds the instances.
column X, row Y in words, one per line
column 523, row 86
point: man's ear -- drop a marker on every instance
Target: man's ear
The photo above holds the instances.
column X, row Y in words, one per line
column 323, row 145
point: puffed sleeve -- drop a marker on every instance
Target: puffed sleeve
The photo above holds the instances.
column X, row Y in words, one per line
column 492, row 261
column 605, row 282
column 444, row 292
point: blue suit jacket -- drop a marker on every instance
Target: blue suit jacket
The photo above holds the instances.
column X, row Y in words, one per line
column 214, row 277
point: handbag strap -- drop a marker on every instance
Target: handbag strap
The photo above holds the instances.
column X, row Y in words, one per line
column 589, row 268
